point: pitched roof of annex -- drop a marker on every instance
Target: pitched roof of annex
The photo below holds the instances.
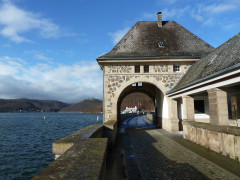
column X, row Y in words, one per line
column 224, row 59
column 146, row 40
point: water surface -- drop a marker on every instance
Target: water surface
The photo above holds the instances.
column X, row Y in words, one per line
column 26, row 140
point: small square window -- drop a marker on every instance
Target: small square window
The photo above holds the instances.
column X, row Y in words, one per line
column 146, row 69
column 137, row 68
column 176, row 68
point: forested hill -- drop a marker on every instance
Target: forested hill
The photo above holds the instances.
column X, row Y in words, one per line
column 28, row 105
column 89, row 105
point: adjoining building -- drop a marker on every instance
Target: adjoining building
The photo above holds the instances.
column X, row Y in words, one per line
column 208, row 98
column 212, row 86
column 150, row 58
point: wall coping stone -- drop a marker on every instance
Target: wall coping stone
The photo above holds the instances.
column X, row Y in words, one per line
column 83, row 155
column 61, row 146
column 84, row 160
column 214, row 127
column 111, row 124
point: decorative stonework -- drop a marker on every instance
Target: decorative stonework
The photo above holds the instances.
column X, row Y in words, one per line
column 160, row 68
column 117, row 77
column 119, row 69
column 115, row 81
column 167, row 80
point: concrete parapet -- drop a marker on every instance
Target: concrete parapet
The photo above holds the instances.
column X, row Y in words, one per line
column 82, row 154
column 150, row 117
column 85, row 160
column 219, row 138
column 110, row 132
column 61, row 146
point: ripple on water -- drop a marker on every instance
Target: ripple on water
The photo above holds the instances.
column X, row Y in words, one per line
column 26, row 140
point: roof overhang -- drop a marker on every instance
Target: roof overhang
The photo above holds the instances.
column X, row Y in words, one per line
column 219, row 79
column 148, row 59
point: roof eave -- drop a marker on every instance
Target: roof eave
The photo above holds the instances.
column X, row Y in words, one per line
column 220, row 73
column 147, row 57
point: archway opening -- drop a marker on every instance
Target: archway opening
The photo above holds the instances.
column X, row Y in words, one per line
column 139, row 101
column 142, row 89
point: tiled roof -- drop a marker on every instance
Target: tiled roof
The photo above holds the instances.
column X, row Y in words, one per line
column 222, row 60
column 142, row 41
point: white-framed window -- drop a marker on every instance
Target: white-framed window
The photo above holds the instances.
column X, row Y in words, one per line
column 176, row 68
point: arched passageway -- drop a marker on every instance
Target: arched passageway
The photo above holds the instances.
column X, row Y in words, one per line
column 149, row 89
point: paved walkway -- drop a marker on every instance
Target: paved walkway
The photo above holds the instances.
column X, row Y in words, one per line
column 138, row 121
column 154, row 154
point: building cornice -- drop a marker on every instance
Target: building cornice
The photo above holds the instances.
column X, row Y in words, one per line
column 219, row 79
column 100, row 61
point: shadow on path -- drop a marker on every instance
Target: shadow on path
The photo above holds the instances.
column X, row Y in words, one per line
column 152, row 153
column 144, row 161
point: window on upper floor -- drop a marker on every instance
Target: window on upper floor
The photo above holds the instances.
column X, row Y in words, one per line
column 146, row 68
column 176, row 68
column 137, row 68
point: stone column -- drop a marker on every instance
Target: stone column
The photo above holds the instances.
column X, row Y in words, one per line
column 188, row 108
column 234, row 107
column 218, row 107
column 173, row 115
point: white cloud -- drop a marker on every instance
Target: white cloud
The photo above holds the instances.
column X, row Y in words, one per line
column 15, row 22
column 175, row 12
column 117, row 36
column 215, row 8
column 43, row 81
column 167, row 13
column 208, row 13
column 43, row 58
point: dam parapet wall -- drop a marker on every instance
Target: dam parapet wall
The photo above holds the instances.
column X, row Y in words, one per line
column 82, row 154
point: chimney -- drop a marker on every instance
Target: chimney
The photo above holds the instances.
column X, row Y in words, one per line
column 159, row 19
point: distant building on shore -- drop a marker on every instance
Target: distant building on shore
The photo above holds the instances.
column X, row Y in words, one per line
column 130, row 109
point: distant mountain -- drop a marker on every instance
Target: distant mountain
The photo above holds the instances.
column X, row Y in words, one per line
column 28, row 105
column 96, row 109
column 89, row 105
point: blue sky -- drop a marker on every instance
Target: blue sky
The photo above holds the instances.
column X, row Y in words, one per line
column 49, row 48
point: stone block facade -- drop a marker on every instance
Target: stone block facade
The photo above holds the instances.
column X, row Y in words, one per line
column 118, row 76
column 218, row 106
column 188, row 108
column 221, row 139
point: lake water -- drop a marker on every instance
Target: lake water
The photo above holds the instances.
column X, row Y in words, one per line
column 26, row 140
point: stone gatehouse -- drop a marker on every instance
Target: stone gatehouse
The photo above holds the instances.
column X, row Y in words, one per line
column 150, row 58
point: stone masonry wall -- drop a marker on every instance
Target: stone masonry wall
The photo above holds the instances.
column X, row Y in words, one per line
column 120, row 76
column 221, row 139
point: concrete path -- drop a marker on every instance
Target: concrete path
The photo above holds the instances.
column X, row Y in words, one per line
column 154, row 154
column 138, row 121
